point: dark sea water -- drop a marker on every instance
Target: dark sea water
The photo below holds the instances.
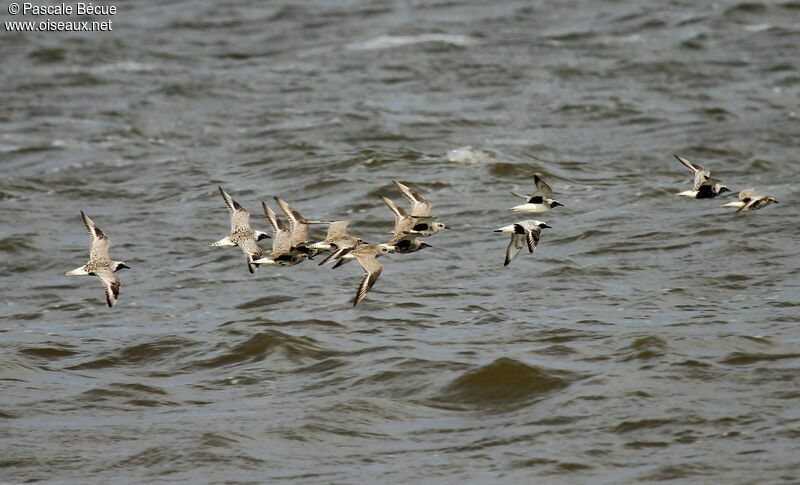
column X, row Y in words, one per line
column 649, row 338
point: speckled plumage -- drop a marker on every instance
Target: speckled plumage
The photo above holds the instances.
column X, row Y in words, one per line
column 241, row 234
column 99, row 263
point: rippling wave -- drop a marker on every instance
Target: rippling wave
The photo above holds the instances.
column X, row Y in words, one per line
column 649, row 338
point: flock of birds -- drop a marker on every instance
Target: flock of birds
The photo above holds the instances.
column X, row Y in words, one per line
column 293, row 245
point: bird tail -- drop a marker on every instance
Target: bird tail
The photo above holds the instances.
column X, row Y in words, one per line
column 224, row 242
column 77, row 272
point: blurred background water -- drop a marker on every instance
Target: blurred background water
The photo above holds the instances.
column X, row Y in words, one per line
column 649, row 338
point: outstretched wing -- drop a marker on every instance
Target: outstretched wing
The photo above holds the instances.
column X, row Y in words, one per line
column 111, row 284
column 402, row 221
column 292, row 215
column 747, row 195
column 517, row 240
column 540, row 189
column 250, row 248
column 336, row 230
column 693, row 167
column 297, row 223
column 532, row 238
column 372, row 271
column 701, row 175
column 336, row 255
column 281, row 236
column 276, row 224
column 420, row 207
column 98, row 249
column 240, row 218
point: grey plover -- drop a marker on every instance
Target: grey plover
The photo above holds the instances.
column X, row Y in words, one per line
column 521, row 232
column 537, row 202
column 749, row 200
column 338, row 241
column 366, row 256
column 282, row 252
column 704, row 186
column 100, row 264
column 424, row 223
column 241, row 234
column 300, row 228
column 402, row 239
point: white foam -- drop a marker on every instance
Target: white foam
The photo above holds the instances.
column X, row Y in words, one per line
column 389, row 41
column 466, row 155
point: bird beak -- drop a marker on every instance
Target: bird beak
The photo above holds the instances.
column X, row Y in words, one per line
column 776, row 201
column 123, row 266
column 543, row 226
column 556, row 204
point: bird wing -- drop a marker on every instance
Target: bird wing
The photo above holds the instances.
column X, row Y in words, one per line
column 297, row 222
column 693, row 167
column 420, row 207
column 402, row 221
column 111, row 284
column 98, row 249
column 703, row 177
column 517, row 240
column 250, row 247
column 281, row 236
column 276, row 224
column 540, row 188
column 747, row 195
column 532, row 238
column 336, row 230
column 372, row 271
column 292, row 215
column 240, row 218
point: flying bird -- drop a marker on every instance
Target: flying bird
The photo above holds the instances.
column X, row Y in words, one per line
column 299, row 227
column 537, row 202
column 522, row 232
column 366, row 256
column 403, row 239
column 704, row 186
column 338, row 241
column 100, row 264
column 241, row 234
column 282, row 252
column 424, row 223
column 749, row 199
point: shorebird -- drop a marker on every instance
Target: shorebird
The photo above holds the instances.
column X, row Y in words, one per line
column 537, row 202
column 241, row 234
column 402, row 239
column 424, row 222
column 366, row 256
column 749, row 199
column 338, row 241
column 100, row 264
column 705, row 187
column 524, row 231
column 282, row 252
column 300, row 227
